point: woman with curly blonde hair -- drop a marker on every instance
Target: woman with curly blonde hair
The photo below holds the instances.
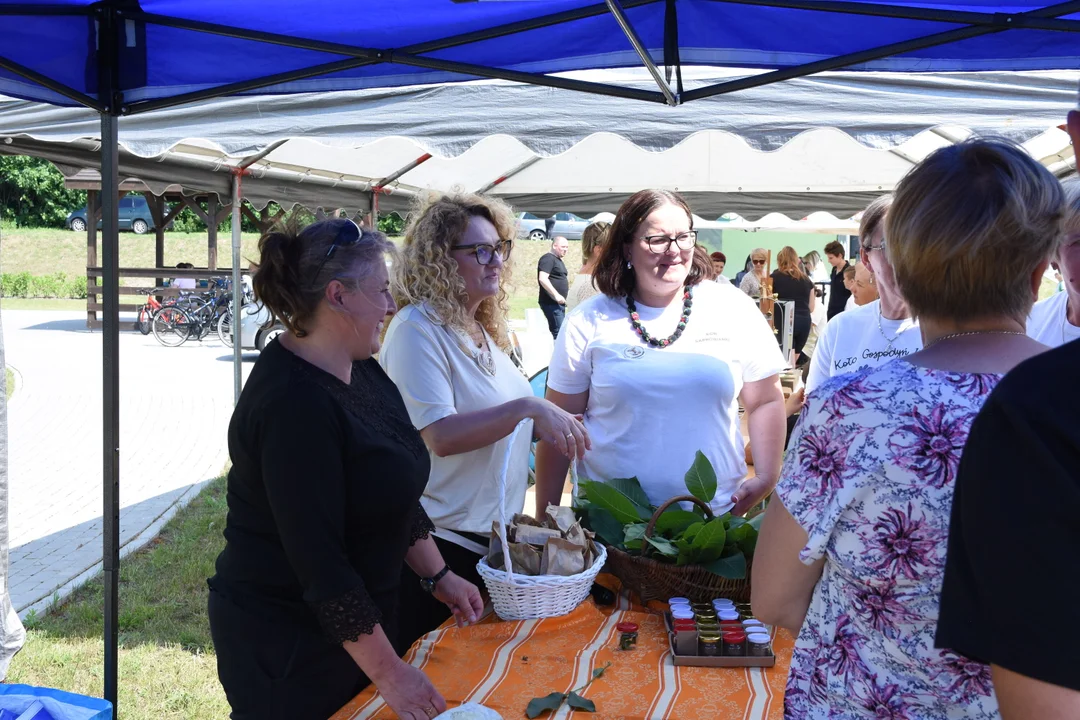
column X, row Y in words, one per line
column 446, row 349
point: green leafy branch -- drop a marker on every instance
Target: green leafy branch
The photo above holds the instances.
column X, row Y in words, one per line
column 618, row 511
column 538, row 706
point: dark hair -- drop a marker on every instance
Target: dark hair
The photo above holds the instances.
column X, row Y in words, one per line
column 611, row 275
column 835, row 248
column 718, row 257
column 296, row 265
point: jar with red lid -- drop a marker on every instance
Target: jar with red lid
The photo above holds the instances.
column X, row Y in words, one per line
column 684, row 625
column 734, row 643
column 628, row 637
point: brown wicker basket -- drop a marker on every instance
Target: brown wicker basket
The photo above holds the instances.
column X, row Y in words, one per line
column 653, row 580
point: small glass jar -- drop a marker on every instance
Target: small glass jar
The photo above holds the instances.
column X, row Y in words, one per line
column 707, row 616
column 628, row 636
column 734, row 643
column 719, row 605
column 684, row 625
column 701, row 607
column 753, row 622
column 678, row 601
column 728, row 615
column 708, row 627
column 757, row 645
column 708, row 644
column 678, row 613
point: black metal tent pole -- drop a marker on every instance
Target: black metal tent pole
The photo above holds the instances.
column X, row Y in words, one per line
column 108, row 77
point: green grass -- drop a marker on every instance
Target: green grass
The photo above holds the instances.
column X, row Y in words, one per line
column 167, row 663
column 42, row 304
column 47, row 251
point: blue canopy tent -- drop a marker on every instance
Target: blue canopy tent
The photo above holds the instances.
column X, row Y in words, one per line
column 122, row 57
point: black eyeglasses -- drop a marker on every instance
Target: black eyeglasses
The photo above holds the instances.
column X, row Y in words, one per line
column 348, row 234
column 758, row 262
column 662, row 243
column 485, row 252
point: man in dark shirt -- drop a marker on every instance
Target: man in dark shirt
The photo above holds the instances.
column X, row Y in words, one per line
column 1011, row 593
column 838, row 292
column 552, row 276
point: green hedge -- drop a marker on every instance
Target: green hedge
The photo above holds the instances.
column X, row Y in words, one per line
column 57, row 285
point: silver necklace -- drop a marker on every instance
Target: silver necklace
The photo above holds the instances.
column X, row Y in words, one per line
column 950, row 336
column 882, row 330
column 481, row 352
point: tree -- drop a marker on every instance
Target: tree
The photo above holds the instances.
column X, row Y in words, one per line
column 32, row 193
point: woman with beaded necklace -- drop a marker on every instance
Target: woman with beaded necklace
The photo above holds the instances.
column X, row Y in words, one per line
column 659, row 362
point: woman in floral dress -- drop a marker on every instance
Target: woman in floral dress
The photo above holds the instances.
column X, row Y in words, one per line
column 852, row 548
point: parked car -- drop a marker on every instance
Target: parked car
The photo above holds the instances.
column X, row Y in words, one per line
column 569, row 225
column 256, row 330
column 134, row 216
column 530, row 226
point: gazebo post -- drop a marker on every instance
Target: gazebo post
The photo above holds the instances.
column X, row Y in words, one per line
column 92, row 207
column 108, row 73
column 157, row 211
column 211, row 231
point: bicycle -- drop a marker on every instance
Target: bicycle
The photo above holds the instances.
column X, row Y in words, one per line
column 146, row 314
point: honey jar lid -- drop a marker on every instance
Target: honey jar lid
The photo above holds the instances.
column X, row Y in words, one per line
column 625, row 627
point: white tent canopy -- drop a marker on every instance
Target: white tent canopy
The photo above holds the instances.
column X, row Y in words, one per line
column 827, row 143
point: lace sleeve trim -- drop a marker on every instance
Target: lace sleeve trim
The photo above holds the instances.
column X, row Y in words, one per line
column 347, row 617
column 422, row 526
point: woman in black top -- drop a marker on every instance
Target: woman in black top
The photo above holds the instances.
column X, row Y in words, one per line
column 323, row 496
column 791, row 283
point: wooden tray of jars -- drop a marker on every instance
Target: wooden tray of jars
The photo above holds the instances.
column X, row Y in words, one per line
column 684, row 652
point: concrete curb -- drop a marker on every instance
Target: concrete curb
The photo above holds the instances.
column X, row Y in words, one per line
column 57, row 596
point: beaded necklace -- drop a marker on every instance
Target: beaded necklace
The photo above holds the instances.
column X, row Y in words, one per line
column 635, row 321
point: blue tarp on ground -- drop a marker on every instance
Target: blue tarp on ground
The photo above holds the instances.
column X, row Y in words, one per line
column 159, row 61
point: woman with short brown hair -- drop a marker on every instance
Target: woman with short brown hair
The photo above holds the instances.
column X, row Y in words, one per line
column 852, row 548
column 658, row 363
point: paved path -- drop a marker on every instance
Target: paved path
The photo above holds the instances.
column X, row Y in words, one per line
column 175, row 405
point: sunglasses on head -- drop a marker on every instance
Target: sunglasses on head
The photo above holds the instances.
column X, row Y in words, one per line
column 348, row 234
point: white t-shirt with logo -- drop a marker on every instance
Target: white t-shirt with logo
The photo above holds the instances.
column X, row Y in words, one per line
column 1048, row 323
column 852, row 341
column 651, row 409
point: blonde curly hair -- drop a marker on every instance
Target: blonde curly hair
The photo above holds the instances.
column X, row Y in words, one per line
column 427, row 273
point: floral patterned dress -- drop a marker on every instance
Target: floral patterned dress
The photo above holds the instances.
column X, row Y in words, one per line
column 869, row 475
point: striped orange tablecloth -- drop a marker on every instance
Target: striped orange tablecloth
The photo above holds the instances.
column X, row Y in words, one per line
column 503, row 665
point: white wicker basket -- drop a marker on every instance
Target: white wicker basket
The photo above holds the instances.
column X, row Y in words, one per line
column 522, row 597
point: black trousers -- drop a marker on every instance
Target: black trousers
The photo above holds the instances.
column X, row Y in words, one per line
column 801, row 332
column 420, row 612
column 274, row 670
column 554, row 315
